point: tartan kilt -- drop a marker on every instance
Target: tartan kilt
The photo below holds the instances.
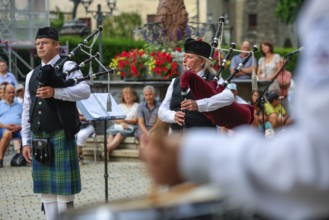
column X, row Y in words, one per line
column 62, row 175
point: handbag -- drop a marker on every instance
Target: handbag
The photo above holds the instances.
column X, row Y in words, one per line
column 18, row 160
column 42, row 150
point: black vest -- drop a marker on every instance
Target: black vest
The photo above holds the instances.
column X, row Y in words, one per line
column 51, row 114
column 192, row 118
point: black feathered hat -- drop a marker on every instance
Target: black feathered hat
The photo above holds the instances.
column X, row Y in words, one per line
column 47, row 32
column 197, row 47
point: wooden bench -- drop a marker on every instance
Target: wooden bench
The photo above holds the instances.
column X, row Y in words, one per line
column 128, row 149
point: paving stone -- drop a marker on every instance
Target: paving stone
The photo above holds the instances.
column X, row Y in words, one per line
column 126, row 180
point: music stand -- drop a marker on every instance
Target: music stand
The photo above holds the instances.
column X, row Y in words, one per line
column 95, row 109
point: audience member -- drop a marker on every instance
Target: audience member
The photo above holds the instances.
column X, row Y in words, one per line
column 285, row 178
column 125, row 127
column 262, row 123
column 234, row 88
column 254, row 96
column 246, row 71
column 147, row 114
column 1, row 91
column 284, row 80
column 6, row 76
column 268, row 65
column 10, row 121
column 178, row 112
column 86, row 129
column 275, row 111
column 20, row 93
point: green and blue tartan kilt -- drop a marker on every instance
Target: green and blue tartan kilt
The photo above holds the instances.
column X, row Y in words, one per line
column 62, row 175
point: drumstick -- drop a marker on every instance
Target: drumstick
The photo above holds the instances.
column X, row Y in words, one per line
column 153, row 192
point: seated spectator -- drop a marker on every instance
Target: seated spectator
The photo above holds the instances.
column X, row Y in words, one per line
column 125, row 127
column 6, row 76
column 20, row 93
column 234, row 88
column 254, row 96
column 10, row 121
column 276, row 113
column 262, row 123
column 147, row 114
column 284, row 80
column 1, row 91
column 86, row 129
column 246, row 71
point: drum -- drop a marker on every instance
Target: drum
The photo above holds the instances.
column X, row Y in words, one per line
column 185, row 202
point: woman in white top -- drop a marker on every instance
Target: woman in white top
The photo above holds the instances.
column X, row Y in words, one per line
column 124, row 127
column 268, row 65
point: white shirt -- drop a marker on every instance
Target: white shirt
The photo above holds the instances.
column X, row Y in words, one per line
column 222, row 99
column 73, row 93
column 129, row 111
column 286, row 177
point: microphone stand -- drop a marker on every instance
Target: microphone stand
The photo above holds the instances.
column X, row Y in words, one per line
column 261, row 99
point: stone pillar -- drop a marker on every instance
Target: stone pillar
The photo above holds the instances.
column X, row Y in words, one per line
column 173, row 19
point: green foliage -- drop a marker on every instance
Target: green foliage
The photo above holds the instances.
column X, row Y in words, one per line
column 122, row 26
column 57, row 23
column 111, row 47
column 287, row 10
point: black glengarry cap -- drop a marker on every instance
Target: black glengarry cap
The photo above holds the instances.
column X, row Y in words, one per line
column 47, row 32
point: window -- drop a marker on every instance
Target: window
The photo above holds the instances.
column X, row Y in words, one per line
column 252, row 21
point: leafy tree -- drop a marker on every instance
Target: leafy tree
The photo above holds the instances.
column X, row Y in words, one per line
column 287, row 10
column 121, row 26
column 58, row 22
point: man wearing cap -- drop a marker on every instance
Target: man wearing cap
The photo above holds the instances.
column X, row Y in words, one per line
column 20, row 93
column 50, row 113
column 196, row 59
column 234, row 88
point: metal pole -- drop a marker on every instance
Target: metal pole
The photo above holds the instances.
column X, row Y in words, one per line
column 197, row 15
column 100, row 43
column 106, row 175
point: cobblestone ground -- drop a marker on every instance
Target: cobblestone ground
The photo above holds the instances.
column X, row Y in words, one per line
column 17, row 201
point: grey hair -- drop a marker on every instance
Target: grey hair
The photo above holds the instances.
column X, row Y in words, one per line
column 208, row 66
column 149, row 88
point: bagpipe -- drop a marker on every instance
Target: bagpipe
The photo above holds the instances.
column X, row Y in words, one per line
column 56, row 77
column 229, row 116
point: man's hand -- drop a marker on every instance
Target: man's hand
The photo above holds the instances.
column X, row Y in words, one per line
column 27, row 153
column 180, row 117
column 189, row 105
column 45, row 92
column 161, row 157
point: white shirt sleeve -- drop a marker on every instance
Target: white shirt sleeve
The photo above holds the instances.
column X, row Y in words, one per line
column 164, row 113
column 217, row 101
column 26, row 132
